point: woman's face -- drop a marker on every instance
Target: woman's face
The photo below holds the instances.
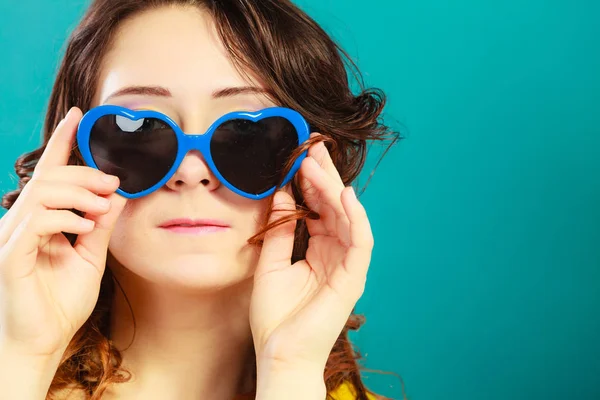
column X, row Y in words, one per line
column 178, row 49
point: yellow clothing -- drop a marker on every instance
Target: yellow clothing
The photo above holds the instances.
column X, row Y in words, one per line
column 346, row 392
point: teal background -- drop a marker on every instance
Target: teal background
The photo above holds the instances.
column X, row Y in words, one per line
column 486, row 272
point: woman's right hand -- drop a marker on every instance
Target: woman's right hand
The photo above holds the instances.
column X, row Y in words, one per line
column 48, row 288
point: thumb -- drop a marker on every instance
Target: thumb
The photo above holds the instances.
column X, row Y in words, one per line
column 278, row 243
column 93, row 246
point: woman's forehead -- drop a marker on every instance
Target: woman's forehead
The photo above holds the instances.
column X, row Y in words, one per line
column 173, row 47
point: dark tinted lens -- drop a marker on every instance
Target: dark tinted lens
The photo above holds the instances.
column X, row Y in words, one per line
column 139, row 152
column 251, row 155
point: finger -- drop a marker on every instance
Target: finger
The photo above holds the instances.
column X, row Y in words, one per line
column 314, row 180
column 58, row 148
column 53, row 195
column 361, row 236
column 312, row 198
column 93, row 245
column 89, row 178
column 278, row 244
column 64, row 195
column 26, row 238
column 322, row 196
column 320, row 153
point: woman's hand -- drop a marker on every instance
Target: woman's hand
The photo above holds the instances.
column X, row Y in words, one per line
column 48, row 288
column 298, row 310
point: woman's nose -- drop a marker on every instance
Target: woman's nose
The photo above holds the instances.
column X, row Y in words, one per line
column 192, row 172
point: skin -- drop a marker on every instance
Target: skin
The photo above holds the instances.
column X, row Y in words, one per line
column 200, row 302
column 206, row 279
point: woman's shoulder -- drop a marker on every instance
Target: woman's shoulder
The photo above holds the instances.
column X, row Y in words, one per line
column 346, row 392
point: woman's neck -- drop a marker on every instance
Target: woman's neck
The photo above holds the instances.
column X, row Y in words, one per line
column 186, row 345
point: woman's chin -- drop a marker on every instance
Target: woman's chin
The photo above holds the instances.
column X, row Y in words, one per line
column 200, row 272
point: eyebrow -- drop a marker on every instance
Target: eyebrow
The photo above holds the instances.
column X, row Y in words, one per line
column 159, row 91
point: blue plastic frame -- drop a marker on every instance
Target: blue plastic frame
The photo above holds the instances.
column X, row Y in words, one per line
column 187, row 142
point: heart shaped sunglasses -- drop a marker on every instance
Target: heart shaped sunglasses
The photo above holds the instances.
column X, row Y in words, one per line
column 246, row 151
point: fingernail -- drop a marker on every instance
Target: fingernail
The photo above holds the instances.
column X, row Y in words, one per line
column 109, row 178
column 320, row 146
column 62, row 121
column 102, row 202
column 353, row 192
column 87, row 223
column 318, row 162
column 69, row 113
column 277, row 198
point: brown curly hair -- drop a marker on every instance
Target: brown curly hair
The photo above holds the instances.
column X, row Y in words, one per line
column 301, row 67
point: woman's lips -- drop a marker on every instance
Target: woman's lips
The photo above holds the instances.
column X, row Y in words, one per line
column 194, row 227
column 195, row 230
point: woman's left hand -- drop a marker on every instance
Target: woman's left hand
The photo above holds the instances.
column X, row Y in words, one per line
column 298, row 311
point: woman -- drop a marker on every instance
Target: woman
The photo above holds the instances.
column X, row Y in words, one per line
column 192, row 291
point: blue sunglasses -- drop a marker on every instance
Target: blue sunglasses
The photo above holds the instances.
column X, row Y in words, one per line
column 246, row 151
